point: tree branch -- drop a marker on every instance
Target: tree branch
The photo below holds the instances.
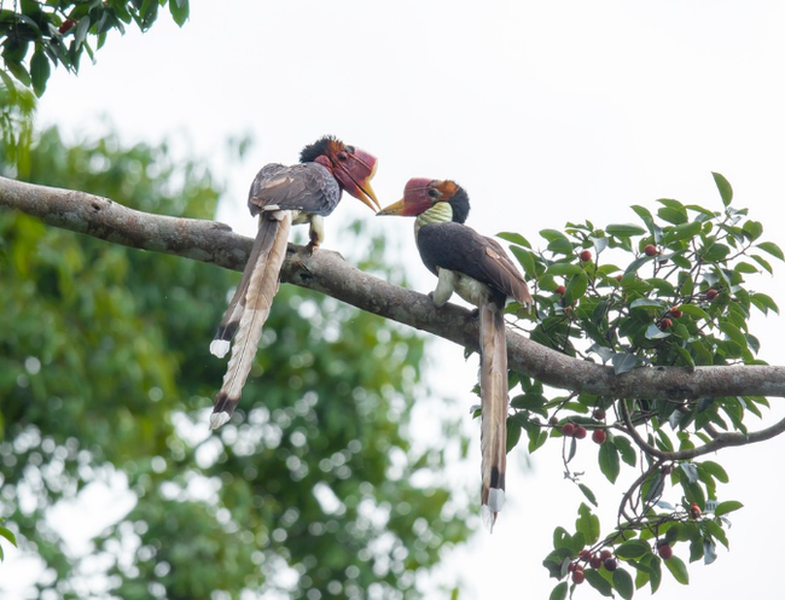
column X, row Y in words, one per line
column 327, row 272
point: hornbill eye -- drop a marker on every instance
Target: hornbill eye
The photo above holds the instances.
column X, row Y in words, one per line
column 433, row 193
column 342, row 156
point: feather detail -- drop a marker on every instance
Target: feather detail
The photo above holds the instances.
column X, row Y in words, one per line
column 493, row 392
column 262, row 285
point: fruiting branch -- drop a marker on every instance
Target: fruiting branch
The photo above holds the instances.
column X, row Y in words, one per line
column 327, row 272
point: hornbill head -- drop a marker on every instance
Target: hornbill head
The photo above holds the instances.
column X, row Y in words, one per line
column 421, row 194
column 352, row 167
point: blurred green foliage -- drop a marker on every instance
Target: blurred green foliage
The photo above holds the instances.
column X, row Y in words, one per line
column 314, row 486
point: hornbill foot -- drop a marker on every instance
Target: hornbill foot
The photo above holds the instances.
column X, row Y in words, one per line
column 311, row 247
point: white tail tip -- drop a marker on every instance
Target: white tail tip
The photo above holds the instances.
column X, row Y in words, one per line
column 219, row 348
column 218, row 419
column 491, row 510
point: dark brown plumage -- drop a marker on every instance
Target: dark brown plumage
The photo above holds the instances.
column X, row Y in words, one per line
column 477, row 269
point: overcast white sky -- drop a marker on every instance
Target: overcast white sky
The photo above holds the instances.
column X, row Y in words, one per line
column 545, row 112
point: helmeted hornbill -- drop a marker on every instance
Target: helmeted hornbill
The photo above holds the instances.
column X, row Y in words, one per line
column 479, row 271
column 281, row 196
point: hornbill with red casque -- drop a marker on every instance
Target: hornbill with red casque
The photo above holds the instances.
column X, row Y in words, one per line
column 282, row 196
column 479, row 271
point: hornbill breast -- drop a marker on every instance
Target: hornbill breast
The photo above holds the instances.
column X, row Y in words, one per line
column 459, row 248
column 308, row 187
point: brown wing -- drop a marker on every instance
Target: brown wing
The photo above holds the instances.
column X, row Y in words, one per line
column 308, row 187
column 460, row 248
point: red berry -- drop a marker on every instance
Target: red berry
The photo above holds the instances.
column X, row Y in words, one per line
column 610, row 564
column 553, row 421
column 606, row 554
column 571, row 567
column 599, row 436
column 578, row 576
column 619, row 277
column 584, row 554
column 66, row 26
column 650, row 250
column 580, row 432
column 676, row 312
column 585, row 256
column 598, row 414
column 711, row 294
column 568, row 429
column 665, row 324
column 595, row 561
column 664, row 550
column 560, row 290
column 695, row 511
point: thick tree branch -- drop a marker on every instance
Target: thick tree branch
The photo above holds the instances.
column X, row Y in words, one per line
column 327, row 272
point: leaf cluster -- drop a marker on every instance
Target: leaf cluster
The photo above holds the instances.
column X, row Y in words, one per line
column 36, row 36
column 671, row 290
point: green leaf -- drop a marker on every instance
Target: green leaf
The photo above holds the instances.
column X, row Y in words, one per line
column 624, row 231
column 726, row 191
column 645, row 216
column 39, row 71
column 633, row 549
column 588, row 493
column 179, row 10
column 723, row 508
column 627, row 452
column 559, row 592
column 609, row 461
column 588, row 524
column 653, row 332
column 576, row 287
column 733, row 333
column 622, row 581
column 671, row 215
column 526, row 259
column 513, row 433
column 623, row 362
column 772, row 249
column 598, row 582
column 681, row 232
column 678, row 569
column 514, row 238
column 8, row 534
column 715, row 470
column 563, row 268
column 763, row 302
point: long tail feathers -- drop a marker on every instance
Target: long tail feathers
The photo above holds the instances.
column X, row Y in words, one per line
column 493, row 391
column 248, row 312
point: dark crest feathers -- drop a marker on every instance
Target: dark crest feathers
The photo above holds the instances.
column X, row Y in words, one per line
column 460, row 205
column 312, row 151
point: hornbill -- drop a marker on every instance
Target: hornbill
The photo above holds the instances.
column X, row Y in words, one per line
column 282, row 196
column 479, row 271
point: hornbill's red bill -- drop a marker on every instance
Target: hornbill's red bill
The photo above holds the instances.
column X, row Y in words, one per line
column 479, row 271
column 282, row 196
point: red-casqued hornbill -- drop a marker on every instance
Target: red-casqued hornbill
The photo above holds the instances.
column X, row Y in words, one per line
column 479, row 271
column 282, row 196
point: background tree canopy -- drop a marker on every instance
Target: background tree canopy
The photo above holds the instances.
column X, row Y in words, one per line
column 104, row 369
